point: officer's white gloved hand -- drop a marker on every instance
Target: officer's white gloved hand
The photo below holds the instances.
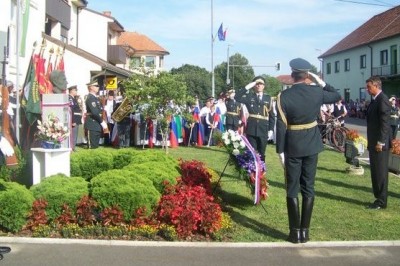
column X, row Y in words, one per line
column 6, row 147
column 250, row 85
column 282, row 159
column 317, row 79
column 270, row 134
column 103, row 125
column 10, row 111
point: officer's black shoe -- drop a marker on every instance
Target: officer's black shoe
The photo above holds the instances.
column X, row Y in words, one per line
column 304, row 235
column 4, row 250
column 294, row 236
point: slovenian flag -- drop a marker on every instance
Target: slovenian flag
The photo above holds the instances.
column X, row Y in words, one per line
column 221, row 33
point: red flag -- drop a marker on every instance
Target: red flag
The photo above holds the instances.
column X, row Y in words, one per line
column 60, row 65
column 49, row 86
column 41, row 74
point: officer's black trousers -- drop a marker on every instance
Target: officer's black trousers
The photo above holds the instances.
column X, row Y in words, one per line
column 300, row 174
column 93, row 139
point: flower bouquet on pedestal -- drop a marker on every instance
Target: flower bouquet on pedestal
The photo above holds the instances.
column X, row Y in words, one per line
column 51, row 132
column 248, row 163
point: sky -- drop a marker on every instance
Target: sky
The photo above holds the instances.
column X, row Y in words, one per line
column 263, row 31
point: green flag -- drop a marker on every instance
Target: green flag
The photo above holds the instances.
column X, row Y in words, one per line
column 31, row 100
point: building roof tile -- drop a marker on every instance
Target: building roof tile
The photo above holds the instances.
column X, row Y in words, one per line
column 140, row 43
column 379, row 27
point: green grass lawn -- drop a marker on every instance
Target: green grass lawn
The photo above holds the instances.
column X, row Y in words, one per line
column 339, row 210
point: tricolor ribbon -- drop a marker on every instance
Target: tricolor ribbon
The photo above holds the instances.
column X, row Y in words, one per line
column 257, row 162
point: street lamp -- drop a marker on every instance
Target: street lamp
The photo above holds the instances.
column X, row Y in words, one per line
column 228, row 81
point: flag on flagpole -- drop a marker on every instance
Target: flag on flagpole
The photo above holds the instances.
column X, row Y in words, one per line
column 31, row 100
column 221, row 33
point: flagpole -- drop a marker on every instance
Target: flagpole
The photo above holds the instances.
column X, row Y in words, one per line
column 18, row 111
column 212, row 52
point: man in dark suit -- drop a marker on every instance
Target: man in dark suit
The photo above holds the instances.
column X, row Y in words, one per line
column 298, row 142
column 378, row 136
column 94, row 121
column 260, row 123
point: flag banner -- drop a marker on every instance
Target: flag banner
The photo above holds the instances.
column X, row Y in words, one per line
column 31, row 99
column 221, row 33
column 24, row 6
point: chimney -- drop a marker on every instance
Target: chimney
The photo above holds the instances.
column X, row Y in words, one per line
column 107, row 13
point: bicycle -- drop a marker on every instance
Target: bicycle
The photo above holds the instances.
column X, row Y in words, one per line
column 334, row 134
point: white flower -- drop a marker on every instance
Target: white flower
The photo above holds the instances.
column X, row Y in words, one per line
column 235, row 152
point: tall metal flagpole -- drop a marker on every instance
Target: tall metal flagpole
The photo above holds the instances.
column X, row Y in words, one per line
column 18, row 109
column 212, row 52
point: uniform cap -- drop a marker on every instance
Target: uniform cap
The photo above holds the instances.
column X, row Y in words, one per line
column 259, row 79
column 230, row 91
column 74, row 87
column 300, row 65
column 93, row 83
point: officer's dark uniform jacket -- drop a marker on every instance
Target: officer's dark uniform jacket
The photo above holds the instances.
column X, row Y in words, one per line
column 75, row 110
column 301, row 105
column 260, row 120
column 232, row 113
column 94, row 114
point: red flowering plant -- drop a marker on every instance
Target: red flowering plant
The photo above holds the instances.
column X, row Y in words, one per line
column 248, row 162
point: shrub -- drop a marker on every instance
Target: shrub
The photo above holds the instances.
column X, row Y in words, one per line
column 123, row 158
column 190, row 209
column 125, row 189
column 37, row 216
column 12, row 174
column 89, row 163
column 58, row 190
column 157, row 174
column 15, row 204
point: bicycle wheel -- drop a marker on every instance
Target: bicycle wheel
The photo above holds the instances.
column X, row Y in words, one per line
column 339, row 138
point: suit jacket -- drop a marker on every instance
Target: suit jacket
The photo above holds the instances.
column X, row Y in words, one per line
column 94, row 113
column 257, row 127
column 378, row 121
column 301, row 105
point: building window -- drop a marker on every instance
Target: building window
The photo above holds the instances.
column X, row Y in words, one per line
column 337, row 66
column 384, row 57
column 347, row 64
column 135, row 62
column 150, row 61
column 363, row 61
column 328, row 68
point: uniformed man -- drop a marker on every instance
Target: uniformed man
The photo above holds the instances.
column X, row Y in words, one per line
column 94, row 123
column 76, row 113
column 298, row 142
column 232, row 120
column 260, row 123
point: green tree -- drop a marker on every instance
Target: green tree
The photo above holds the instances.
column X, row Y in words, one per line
column 198, row 80
column 157, row 97
column 273, row 86
column 240, row 73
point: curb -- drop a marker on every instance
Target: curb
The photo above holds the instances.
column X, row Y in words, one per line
column 316, row 244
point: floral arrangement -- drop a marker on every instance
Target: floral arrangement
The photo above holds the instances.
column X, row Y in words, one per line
column 354, row 136
column 51, row 130
column 395, row 147
column 245, row 161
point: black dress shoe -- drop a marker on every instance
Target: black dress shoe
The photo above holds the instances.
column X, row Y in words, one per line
column 375, row 206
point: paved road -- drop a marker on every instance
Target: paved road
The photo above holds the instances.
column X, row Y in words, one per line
column 62, row 252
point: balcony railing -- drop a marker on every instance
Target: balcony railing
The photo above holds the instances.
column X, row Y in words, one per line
column 389, row 70
column 116, row 54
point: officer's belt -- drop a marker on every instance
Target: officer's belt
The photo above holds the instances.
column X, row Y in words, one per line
column 394, row 116
column 77, row 114
column 259, row 117
column 302, row 126
column 232, row 113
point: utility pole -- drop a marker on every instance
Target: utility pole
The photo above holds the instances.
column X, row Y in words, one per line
column 228, row 81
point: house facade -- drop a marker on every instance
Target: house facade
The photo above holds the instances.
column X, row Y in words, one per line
column 86, row 41
column 370, row 50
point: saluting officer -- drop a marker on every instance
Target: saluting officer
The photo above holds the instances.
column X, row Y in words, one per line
column 232, row 120
column 298, row 142
column 260, row 123
column 94, row 121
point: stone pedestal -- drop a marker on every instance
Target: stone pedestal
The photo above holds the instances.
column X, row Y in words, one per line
column 47, row 162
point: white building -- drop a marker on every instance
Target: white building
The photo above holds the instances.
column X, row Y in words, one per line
column 372, row 49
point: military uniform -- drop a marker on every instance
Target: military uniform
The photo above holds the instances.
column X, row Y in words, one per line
column 93, row 120
column 298, row 137
column 232, row 120
column 76, row 113
column 260, row 121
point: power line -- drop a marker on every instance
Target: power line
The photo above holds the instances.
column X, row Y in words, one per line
column 366, row 3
